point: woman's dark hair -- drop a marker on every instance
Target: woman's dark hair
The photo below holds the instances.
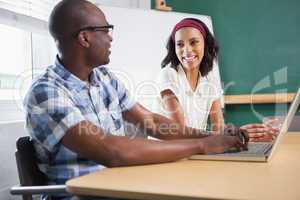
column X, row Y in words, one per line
column 211, row 49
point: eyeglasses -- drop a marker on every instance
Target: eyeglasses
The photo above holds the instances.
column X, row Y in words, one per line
column 107, row 29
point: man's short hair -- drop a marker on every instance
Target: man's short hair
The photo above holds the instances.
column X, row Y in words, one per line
column 66, row 17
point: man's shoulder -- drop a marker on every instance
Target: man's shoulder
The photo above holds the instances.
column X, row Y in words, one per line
column 44, row 84
column 44, row 80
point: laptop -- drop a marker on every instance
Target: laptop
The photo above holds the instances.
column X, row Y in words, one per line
column 257, row 151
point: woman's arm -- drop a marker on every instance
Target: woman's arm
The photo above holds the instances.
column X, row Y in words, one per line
column 173, row 107
column 256, row 132
column 216, row 116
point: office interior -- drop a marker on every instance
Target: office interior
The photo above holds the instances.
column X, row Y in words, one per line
column 27, row 49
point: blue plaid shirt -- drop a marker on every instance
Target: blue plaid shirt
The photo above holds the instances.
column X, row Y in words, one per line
column 57, row 101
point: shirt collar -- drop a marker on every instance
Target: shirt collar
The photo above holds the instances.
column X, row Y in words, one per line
column 72, row 80
column 185, row 83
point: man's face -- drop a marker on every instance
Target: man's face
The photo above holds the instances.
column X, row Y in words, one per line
column 99, row 38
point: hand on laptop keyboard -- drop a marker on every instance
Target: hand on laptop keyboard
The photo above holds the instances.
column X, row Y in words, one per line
column 233, row 140
column 235, row 131
column 260, row 132
column 242, row 135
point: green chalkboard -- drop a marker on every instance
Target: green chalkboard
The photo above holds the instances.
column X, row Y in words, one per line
column 259, row 48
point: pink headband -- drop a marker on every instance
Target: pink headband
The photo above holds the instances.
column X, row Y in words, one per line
column 188, row 23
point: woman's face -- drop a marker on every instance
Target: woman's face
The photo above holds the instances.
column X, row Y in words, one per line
column 189, row 47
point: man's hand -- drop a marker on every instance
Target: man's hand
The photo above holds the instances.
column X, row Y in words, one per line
column 222, row 143
column 232, row 130
column 260, row 132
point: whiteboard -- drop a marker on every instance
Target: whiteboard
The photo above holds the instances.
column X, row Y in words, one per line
column 138, row 47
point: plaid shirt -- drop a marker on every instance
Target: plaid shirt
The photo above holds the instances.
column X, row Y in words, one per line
column 57, row 101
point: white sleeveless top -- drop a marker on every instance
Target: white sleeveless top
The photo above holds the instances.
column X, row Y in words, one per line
column 196, row 104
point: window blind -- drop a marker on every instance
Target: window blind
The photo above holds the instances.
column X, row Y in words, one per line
column 39, row 9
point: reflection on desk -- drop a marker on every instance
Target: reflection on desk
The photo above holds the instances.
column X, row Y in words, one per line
column 187, row 179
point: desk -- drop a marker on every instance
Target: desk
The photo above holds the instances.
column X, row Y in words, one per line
column 187, row 179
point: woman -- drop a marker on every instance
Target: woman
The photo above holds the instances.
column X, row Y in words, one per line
column 188, row 90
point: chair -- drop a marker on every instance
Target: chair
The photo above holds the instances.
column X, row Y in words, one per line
column 32, row 180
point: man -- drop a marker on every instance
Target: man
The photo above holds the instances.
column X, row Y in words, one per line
column 76, row 110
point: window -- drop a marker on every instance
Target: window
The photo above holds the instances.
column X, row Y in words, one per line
column 15, row 51
column 39, row 9
column 23, row 55
column 26, row 50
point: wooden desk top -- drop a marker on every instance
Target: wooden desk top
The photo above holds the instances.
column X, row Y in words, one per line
column 187, row 179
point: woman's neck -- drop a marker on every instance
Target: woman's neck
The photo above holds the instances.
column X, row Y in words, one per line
column 193, row 77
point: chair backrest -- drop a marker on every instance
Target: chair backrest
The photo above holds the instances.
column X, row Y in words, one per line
column 29, row 173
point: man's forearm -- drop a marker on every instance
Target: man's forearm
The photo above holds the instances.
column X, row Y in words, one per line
column 163, row 128
column 93, row 143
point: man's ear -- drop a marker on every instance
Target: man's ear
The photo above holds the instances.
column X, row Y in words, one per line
column 84, row 39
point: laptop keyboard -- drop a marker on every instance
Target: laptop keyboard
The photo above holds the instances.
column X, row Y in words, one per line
column 259, row 148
